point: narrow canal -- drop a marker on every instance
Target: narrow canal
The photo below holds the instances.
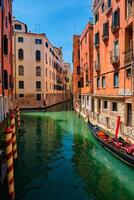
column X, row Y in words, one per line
column 60, row 160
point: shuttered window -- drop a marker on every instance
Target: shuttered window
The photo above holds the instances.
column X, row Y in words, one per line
column 5, row 45
column 5, row 80
column 116, row 19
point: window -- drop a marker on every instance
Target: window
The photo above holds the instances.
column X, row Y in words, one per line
column 1, row 3
column 20, row 39
column 78, row 53
column 105, row 104
column 46, row 72
column 103, row 82
column 11, row 85
column 105, row 29
column 114, row 107
column 129, row 114
column 79, row 84
column 46, row 85
column 116, row 79
column 38, row 55
column 21, row 70
column 102, row 7
column 21, row 84
column 46, row 44
column 38, row 84
column 128, row 72
column 128, row 8
column 97, row 39
column 98, row 82
column 98, row 60
column 116, row 48
column 116, row 19
column 38, row 41
column 87, row 84
column 38, row 97
column 20, row 54
column 17, row 26
column 21, row 95
column 87, row 100
column 5, row 45
column 5, row 80
column 9, row 18
column 50, row 74
column 38, row 71
column 49, row 61
column 96, row 17
column 78, row 70
column 6, row 22
column 46, row 58
column 108, row 4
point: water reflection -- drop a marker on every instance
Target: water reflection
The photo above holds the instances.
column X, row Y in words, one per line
column 101, row 182
column 59, row 159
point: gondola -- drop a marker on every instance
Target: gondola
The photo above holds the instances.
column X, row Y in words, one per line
column 122, row 150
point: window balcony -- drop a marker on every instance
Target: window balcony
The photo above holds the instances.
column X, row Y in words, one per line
column 108, row 7
column 97, row 40
column 115, row 28
column 128, row 8
column 115, row 21
column 97, row 66
column 114, row 57
column 128, row 57
column 105, row 35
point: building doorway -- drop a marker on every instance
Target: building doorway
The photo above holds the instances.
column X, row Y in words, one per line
column 129, row 114
column 99, row 105
column 92, row 105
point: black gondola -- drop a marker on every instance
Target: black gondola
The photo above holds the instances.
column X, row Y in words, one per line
column 118, row 152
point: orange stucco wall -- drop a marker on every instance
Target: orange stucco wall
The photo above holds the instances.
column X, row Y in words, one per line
column 106, row 68
column 86, row 58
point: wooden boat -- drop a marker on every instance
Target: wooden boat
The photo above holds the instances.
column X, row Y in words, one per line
column 122, row 150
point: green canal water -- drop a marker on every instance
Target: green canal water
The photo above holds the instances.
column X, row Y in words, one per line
column 60, row 160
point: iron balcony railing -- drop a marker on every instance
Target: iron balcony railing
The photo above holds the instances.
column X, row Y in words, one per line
column 129, row 8
column 97, row 66
column 114, row 56
column 128, row 56
column 108, row 6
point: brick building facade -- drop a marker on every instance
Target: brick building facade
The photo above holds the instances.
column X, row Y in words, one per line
column 113, row 66
column 6, row 85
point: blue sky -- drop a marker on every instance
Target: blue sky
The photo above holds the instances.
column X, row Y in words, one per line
column 58, row 19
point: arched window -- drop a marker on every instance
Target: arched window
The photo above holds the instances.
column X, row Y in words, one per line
column 20, row 54
column 38, row 55
column 21, row 70
column 38, row 71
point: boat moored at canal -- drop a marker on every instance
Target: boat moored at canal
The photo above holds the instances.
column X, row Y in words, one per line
column 118, row 147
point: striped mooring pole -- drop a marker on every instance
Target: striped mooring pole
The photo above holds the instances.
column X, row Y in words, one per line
column 14, row 143
column 18, row 117
column 10, row 166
